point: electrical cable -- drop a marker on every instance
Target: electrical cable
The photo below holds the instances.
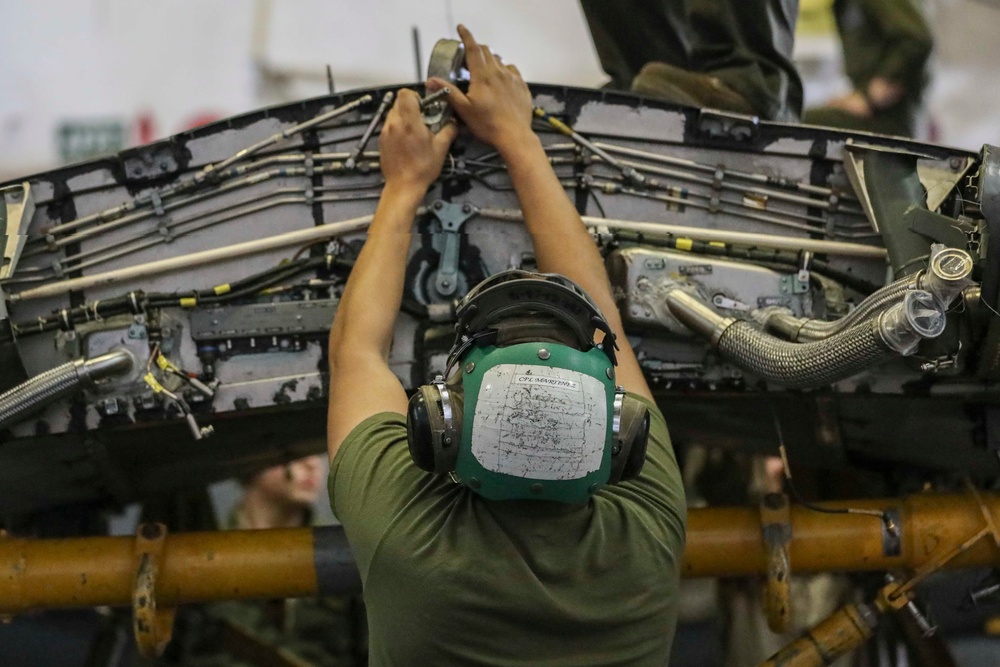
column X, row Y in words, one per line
column 884, row 517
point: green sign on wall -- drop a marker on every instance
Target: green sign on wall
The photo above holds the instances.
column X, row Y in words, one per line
column 84, row 139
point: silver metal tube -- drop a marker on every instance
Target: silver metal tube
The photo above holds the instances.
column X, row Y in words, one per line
column 797, row 329
column 745, row 238
column 697, row 316
column 656, row 229
column 813, row 364
column 50, row 386
column 197, row 259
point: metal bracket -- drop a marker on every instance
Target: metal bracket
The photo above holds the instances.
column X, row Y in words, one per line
column 451, row 217
column 793, row 283
column 17, row 207
column 715, row 124
column 776, row 529
column 447, row 62
column 892, row 540
column 153, row 627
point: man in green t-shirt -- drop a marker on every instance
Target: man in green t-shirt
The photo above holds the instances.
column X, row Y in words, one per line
column 482, row 571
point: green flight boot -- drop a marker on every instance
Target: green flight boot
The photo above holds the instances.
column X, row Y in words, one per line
column 680, row 86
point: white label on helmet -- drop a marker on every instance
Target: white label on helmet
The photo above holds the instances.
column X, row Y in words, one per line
column 540, row 422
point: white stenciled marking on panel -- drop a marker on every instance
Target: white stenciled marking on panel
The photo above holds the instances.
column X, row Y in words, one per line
column 539, row 422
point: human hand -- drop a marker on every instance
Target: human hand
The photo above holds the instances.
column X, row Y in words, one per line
column 883, row 93
column 854, row 103
column 498, row 106
column 411, row 155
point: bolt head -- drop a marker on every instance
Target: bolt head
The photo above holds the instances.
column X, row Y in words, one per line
column 544, row 354
column 469, row 367
column 438, row 205
column 537, row 488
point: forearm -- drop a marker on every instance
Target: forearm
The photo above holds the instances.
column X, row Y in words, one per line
column 367, row 311
column 562, row 243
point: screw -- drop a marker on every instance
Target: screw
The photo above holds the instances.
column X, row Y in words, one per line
column 466, row 208
column 537, row 488
column 438, row 205
column 543, row 354
column 469, row 367
column 611, row 374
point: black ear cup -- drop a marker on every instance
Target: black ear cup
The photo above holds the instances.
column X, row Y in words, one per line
column 433, row 428
column 419, row 435
column 628, row 447
column 637, row 452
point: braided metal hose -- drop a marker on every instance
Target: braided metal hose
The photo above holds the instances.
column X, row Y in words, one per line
column 796, row 329
column 804, row 364
column 895, row 331
column 58, row 382
column 947, row 275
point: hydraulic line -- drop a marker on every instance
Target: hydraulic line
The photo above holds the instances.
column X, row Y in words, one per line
column 658, row 230
column 279, row 241
column 797, row 329
column 725, row 205
column 756, row 178
column 210, row 173
column 283, row 197
column 252, row 179
column 947, row 275
column 761, row 256
column 48, row 387
column 799, row 365
column 137, row 302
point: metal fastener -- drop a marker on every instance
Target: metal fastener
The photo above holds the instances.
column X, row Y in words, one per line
column 543, row 354
column 469, row 367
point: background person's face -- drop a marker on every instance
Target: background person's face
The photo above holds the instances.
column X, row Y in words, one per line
column 296, row 484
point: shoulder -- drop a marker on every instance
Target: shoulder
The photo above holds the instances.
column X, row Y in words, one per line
column 657, row 494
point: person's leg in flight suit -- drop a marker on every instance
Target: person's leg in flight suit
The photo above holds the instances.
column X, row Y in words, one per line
column 733, row 55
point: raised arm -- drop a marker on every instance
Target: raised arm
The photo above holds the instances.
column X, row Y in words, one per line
column 361, row 383
column 498, row 110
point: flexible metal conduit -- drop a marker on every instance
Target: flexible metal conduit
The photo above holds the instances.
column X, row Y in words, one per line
column 797, row 329
column 803, row 364
column 948, row 274
column 61, row 381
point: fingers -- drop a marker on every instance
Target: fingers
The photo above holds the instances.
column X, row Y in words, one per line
column 478, row 57
column 443, row 139
column 475, row 59
column 407, row 101
column 458, row 100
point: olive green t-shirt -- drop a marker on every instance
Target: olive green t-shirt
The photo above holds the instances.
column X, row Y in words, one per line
column 453, row 579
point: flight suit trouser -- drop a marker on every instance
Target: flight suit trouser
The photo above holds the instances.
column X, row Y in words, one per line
column 747, row 44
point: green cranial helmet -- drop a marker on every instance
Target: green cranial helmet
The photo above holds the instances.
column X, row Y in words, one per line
column 532, row 410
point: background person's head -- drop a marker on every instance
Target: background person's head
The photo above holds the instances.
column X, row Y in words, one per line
column 282, row 496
